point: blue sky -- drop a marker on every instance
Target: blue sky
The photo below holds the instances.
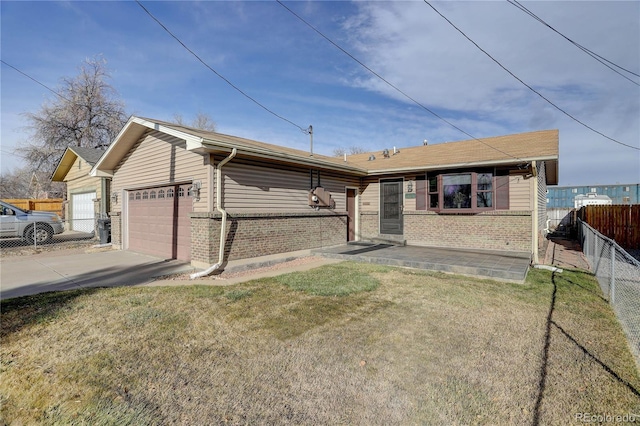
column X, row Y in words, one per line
column 275, row 58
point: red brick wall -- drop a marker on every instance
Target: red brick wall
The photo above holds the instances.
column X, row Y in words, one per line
column 259, row 234
column 369, row 226
column 116, row 229
column 504, row 230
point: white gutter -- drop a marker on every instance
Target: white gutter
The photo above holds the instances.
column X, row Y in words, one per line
column 223, row 227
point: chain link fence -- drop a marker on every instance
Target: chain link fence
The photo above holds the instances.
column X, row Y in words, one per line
column 16, row 236
column 618, row 274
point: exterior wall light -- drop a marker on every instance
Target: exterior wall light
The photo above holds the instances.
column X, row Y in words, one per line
column 114, row 197
column 194, row 189
column 410, row 186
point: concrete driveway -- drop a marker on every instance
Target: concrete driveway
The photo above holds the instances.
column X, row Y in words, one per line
column 26, row 275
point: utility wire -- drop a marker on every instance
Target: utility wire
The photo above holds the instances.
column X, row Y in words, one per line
column 525, row 84
column 589, row 52
column 304, row 130
column 391, row 84
column 33, row 79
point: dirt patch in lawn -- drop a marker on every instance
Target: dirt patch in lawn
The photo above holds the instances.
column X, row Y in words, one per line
column 401, row 347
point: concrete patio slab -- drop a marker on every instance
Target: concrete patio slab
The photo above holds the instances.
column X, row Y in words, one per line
column 503, row 266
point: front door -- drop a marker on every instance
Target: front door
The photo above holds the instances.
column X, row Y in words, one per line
column 391, row 207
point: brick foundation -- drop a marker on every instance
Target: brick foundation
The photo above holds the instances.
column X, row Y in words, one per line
column 259, row 234
column 505, row 230
column 116, row 230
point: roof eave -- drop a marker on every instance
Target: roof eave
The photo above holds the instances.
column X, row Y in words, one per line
column 134, row 128
column 64, row 165
column 489, row 163
column 212, row 146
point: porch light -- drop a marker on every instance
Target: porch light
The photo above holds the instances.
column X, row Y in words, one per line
column 194, row 190
column 410, row 186
column 114, row 197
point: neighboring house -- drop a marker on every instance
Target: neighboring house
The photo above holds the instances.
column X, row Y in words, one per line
column 87, row 196
column 173, row 183
column 591, row 199
column 563, row 197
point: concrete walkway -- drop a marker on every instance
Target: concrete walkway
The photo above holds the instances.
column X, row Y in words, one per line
column 55, row 271
column 565, row 253
column 25, row 275
column 505, row 266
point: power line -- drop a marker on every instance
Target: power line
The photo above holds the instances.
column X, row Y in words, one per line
column 589, row 52
column 33, row 79
column 304, row 130
column 525, row 84
column 391, row 84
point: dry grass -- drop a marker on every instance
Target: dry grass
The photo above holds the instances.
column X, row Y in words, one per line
column 396, row 347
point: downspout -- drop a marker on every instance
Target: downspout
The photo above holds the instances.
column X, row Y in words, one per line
column 223, row 227
column 536, row 212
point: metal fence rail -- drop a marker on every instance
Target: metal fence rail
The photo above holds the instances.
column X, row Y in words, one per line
column 618, row 274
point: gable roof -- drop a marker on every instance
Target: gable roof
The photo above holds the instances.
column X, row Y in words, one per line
column 501, row 150
column 89, row 155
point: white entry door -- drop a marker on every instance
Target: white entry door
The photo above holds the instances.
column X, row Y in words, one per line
column 82, row 212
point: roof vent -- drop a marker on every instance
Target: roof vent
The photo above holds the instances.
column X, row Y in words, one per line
column 372, row 157
column 425, row 142
column 385, row 153
column 395, row 151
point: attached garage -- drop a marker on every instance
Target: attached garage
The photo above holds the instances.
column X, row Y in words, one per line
column 158, row 221
column 83, row 211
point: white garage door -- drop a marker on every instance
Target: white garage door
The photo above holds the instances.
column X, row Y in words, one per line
column 159, row 221
column 82, row 212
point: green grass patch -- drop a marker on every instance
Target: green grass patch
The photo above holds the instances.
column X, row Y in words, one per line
column 238, row 294
column 341, row 279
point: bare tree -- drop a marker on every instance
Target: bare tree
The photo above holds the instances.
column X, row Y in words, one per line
column 201, row 121
column 15, row 184
column 87, row 113
column 339, row 152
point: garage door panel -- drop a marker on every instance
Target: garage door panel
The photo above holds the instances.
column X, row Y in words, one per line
column 83, row 212
column 160, row 226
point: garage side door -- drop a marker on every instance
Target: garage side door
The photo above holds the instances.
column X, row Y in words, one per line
column 158, row 221
column 82, row 212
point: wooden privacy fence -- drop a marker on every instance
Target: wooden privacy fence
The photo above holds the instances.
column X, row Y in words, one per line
column 45, row 204
column 619, row 222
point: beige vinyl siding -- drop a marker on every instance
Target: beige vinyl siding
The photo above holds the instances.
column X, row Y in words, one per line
column 158, row 159
column 250, row 187
column 520, row 193
column 78, row 180
column 370, row 194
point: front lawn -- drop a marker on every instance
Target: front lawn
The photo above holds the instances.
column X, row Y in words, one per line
column 343, row 344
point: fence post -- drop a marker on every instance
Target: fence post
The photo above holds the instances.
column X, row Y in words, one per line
column 596, row 261
column 612, row 279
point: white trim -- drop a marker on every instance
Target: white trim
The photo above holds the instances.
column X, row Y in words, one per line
column 356, row 231
column 471, row 164
column 164, row 183
column 124, row 220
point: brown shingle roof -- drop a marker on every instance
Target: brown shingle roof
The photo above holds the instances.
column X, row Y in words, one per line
column 517, row 148
column 522, row 147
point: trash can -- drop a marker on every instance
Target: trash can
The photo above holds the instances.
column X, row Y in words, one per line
column 104, row 230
